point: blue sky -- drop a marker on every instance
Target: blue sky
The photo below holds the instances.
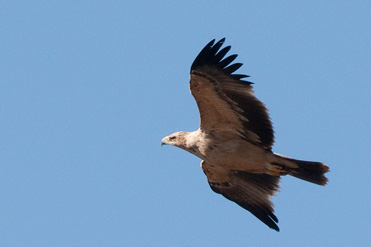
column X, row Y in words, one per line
column 89, row 88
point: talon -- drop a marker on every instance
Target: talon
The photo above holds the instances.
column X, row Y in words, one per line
column 277, row 170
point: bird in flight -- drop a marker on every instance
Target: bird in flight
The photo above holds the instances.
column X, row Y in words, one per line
column 235, row 137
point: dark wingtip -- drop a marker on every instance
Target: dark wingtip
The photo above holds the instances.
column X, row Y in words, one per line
column 276, row 228
column 272, row 222
column 211, row 55
column 274, row 225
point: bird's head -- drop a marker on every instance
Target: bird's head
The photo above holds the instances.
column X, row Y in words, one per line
column 176, row 139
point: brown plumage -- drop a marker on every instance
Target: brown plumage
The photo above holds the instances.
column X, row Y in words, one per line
column 235, row 137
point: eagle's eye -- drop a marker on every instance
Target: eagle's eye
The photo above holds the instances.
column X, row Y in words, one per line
column 172, row 138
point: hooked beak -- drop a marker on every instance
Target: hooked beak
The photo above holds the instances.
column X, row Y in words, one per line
column 164, row 141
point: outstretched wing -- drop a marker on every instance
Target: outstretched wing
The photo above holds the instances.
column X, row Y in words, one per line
column 253, row 192
column 225, row 101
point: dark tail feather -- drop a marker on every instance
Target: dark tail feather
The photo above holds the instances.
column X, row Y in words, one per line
column 308, row 170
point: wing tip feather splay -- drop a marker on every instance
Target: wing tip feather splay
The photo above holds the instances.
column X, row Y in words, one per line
column 212, row 55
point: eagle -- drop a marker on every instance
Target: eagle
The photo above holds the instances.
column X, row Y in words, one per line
column 235, row 137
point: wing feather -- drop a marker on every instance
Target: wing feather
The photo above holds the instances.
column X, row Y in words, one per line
column 226, row 61
column 225, row 101
column 222, row 53
column 232, row 68
column 252, row 192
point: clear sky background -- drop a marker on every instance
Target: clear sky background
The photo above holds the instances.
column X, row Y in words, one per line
column 89, row 88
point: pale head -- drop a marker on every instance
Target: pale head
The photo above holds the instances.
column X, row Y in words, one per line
column 188, row 141
column 176, row 139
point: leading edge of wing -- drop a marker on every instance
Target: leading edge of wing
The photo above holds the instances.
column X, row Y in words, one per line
column 211, row 56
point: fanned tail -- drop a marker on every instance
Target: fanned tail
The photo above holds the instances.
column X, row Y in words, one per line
column 310, row 171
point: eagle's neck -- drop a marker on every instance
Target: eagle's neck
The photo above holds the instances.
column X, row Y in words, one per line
column 194, row 142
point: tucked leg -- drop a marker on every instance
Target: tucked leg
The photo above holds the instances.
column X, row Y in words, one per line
column 277, row 170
